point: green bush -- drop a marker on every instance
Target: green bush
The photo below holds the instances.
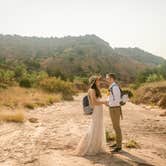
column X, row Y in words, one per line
column 56, row 85
column 25, row 82
column 154, row 78
column 28, row 80
column 152, row 75
column 6, row 76
column 142, row 76
column 41, row 76
column 20, row 71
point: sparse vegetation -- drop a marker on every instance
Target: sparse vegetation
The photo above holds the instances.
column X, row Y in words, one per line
column 29, row 105
column 152, row 75
column 17, row 97
column 81, row 84
column 152, row 94
column 150, row 86
column 56, row 85
column 69, row 58
column 12, row 116
column 110, row 136
column 154, row 78
column 132, row 144
column 60, row 65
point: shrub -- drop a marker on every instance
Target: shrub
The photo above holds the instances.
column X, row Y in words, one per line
column 54, row 99
column 25, row 82
column 56, row 85
column 28, row 80
column 142, row 76
column 132, row 144
column 154, row 74
column 50, row 100
column 20, row 71
column 3, row 86
column 6, row 76
column 154, row 77
column 30, row 105
column 41, row 75
column 110, row 137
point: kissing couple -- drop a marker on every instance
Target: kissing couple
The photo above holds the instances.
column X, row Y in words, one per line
column 94, row 141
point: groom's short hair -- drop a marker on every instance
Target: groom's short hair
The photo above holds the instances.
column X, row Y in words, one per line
column 112, row 75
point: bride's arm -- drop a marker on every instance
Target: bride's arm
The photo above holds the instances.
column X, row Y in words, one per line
column 94, row 99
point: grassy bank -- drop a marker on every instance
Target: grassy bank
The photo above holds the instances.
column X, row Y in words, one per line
column 151, row 94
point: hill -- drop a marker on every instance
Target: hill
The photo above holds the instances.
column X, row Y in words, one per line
column 140, row 56
column 69, row 57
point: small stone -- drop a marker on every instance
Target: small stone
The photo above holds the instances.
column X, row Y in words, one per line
column 33, row 120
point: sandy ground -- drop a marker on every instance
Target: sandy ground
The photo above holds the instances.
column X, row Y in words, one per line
column 51, row 140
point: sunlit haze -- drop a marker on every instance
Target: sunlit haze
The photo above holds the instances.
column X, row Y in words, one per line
column 122, row 23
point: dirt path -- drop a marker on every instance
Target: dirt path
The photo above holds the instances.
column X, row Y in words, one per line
column 50, row 141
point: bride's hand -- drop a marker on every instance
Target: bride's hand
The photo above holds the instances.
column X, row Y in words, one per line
column 105, row 103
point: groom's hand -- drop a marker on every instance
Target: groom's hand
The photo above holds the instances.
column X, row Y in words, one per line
column 107, row 104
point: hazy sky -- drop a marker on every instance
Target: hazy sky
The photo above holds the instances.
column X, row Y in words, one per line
column 122, row 23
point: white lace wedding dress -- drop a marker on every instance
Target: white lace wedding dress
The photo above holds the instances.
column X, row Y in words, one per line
column 94, row 141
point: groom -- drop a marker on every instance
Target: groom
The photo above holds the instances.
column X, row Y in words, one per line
column 115, row 110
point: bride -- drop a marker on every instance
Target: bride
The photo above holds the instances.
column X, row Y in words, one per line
column 94, row 141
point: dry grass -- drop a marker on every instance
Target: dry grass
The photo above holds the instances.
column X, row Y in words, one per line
column 13, row 116
column 132, row 144
column 17, row 97
column 151, row 94
column 154, row 84
column 110, row 136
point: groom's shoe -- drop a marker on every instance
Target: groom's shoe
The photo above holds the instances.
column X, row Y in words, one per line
column 116, row 150
column 113, row 146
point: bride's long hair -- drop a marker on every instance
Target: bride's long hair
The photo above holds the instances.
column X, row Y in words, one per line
column 97, row 90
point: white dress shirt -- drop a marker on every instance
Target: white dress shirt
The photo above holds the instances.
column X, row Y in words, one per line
column 115, row 98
